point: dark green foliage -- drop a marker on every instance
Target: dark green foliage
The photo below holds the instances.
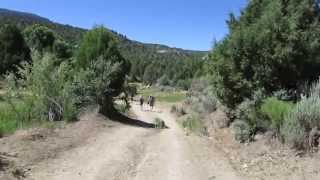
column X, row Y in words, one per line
column 273, row 45
column 39, row 37
column 13, row 49
column 102, row 69
column 62, row 49
column 71, row 34
column 99, row 43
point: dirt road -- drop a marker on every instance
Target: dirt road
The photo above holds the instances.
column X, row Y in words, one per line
column 129, row 152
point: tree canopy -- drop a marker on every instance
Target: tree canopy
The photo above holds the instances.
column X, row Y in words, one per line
column 39, row 37
column 273, row 45
column 13, row 49
column 100, row 43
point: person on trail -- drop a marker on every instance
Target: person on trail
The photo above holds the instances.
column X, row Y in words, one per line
column 141, row 102
column 152, row 102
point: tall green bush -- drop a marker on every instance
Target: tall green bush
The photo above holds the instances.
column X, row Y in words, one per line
column 45, row 88
column 13, row 49
column 102, row 66
column 273, row 45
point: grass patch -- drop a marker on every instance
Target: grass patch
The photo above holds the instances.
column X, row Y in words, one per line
column 9, row 118
column 172, row 96
column 19, row 117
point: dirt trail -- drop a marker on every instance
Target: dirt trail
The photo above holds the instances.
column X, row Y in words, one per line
column 139, row 153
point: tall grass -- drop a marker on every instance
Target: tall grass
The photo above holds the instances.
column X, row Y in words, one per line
column 11, row 118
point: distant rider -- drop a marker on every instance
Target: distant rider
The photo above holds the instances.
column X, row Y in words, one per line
column 141, row 102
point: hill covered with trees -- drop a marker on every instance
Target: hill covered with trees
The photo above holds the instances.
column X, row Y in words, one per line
column 151, row 63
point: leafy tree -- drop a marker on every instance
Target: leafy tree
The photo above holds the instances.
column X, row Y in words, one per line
column 107, row 69
column 273, row 45
column 39, row 37
column 13, row 49
column 62, row 49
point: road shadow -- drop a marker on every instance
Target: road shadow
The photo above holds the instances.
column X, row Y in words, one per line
column 118, row 117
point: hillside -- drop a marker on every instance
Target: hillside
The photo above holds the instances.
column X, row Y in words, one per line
column 150, row 62
column 74, row 34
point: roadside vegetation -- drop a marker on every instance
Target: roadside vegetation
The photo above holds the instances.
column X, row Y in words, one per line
column 263, row 76
column 53, row 85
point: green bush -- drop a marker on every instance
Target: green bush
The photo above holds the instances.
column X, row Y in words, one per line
column 45, row 88
column 249, row 112
column 13, row 49
column 101, row 68
column 272, row 45
column 276, row 111
column 242, row 131
column 12, row 118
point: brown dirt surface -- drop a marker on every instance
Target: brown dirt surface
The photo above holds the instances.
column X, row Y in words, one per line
column 98, row 149
column 267, row 158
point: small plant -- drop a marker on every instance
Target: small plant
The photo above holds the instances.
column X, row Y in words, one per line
column 174, row 109
column 194, row 124
column 276, row 111
column 242, row 131
column 159, row 123
column 13, row 118
column 179, row 111
column 246, row 112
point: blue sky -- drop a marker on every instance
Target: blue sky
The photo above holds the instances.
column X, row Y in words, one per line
column 188, row 24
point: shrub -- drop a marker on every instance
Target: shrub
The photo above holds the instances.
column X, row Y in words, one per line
column 242, row 131
column 204, row 102
column 298, row 123
column 12, row 118
column 45, row 89
column 194, row 124
column 247, row 112
column 251, row 57
column 159, row 123
column 101, row 65
column 39, row 37
column 276, row 111
column 179, row 111
column 13, row 49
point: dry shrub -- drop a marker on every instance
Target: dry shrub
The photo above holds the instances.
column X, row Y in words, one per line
column 219, row 119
